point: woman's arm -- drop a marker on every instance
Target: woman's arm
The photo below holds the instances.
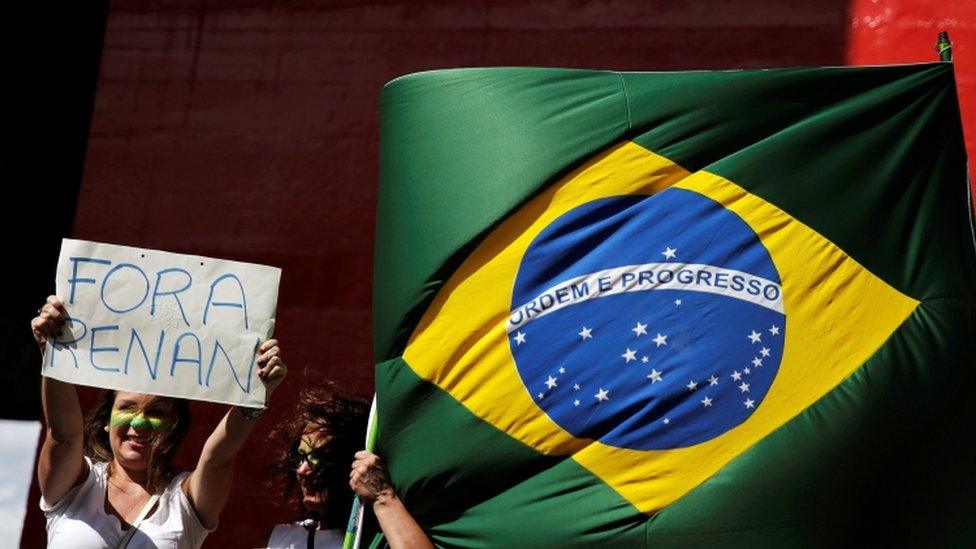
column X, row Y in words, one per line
column 208, row 486
column 61, row 465
column 371, row 483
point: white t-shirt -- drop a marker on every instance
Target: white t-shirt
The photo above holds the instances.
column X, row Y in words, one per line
column 79, row 520
column 295, row 536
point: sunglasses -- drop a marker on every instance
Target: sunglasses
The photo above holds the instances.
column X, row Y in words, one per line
column 315, row 458
column 139, row 420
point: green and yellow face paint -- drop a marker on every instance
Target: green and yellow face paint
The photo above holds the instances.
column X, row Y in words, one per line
column 139, row 420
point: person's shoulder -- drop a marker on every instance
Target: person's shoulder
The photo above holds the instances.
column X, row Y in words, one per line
column 278, row 533
column 92, row 472
column 98, row 468
column 180, row 479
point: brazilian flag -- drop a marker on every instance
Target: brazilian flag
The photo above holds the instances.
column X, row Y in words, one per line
column 728, row 308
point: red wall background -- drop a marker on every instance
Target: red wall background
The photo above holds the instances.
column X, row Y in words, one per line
column 249, row 131
column 905, row 31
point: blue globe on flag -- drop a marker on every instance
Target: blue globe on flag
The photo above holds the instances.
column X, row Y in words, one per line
column 648, row 322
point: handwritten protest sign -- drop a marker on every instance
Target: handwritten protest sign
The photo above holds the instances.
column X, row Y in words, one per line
column 162, row 323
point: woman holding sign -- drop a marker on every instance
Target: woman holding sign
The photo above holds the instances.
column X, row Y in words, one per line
column 107, row 481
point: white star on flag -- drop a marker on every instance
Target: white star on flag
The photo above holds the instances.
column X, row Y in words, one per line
column 774, row 330
column 667, row 420
column 576, row 402
column 540, row 395
column 750, row 403
column 661, row 340
column 644, row 359
column 519, row 338
column 577, row 387
column 713, row 380
column 602, row 395
column 654, row 376
column 755, row 336
column 692, row 385
column 629, row 355
column 586, row 333
column 744, row 387
column 757, row 362
column 736, row 376
column 669, row 252
column 562, row 370
column 677, row 302
column 551, row 382
column 747, row 371
column 707, row 402
column 640, row 329
column 764, row 351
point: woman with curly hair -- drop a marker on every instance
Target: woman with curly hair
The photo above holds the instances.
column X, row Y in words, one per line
column 311, row 472
column 107, row 481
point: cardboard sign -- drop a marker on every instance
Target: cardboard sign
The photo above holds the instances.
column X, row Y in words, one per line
column 162, row 323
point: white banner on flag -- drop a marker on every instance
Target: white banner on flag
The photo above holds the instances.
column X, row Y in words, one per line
column 162, row 323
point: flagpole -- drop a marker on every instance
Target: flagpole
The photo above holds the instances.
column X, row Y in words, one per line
column 944, row 47
column 354, row 529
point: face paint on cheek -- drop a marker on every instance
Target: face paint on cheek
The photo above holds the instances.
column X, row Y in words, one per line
column 158, row 423
column 138, row 420
column 120, row 418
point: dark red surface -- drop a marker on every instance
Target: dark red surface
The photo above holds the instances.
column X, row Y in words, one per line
column 249, row 132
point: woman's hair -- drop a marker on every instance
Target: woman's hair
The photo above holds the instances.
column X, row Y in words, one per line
column 164, row 445
column 339, row 418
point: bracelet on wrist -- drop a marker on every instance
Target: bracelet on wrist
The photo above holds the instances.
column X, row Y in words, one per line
column 250, row 413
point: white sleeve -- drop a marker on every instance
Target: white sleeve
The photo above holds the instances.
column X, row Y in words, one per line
column 193, row 530
column 67, row 498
